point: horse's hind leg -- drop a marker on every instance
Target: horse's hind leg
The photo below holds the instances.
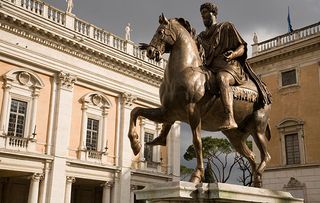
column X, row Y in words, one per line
column 154, row 114
column 261, row 142
column 238, row 140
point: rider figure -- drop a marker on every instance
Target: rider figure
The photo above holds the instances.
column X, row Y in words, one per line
column 225, row 55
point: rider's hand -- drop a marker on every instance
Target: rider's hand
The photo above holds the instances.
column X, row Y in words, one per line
column 228, row 55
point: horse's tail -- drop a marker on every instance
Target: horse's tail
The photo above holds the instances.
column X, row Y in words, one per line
column 268, row 132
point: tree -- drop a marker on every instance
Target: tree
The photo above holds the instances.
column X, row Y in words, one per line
column 185, row 172
column 220, row 159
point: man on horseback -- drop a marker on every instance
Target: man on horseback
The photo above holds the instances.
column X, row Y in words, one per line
column 225, row 54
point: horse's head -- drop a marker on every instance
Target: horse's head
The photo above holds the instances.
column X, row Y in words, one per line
column 162, row 40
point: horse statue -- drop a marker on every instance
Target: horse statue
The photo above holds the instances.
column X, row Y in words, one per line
column 185, row 97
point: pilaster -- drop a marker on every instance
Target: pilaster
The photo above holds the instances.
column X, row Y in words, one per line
column 34, row 188
column 61, row 133
column 126, row 153
column 69, row 181
column 106, row 194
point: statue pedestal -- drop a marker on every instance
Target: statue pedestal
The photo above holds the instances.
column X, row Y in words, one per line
column 186, row 192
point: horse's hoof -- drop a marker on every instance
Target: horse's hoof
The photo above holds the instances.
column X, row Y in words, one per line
column 196, row 177
column 161, row 140
column 136, row 147
column 257, row 184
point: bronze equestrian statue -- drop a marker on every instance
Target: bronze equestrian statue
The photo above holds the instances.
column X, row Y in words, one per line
column 219, row 93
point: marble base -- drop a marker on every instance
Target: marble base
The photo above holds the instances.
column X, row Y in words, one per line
column 186, row 192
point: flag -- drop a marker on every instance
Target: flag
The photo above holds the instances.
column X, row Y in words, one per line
column 289, row 21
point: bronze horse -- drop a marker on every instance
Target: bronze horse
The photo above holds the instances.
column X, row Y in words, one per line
column 185, row 97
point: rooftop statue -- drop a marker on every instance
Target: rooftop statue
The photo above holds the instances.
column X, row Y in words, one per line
column 209, row 85
column 69, row 6
column 128, row 31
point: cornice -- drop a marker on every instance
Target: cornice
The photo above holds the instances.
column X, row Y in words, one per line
column 75, row 48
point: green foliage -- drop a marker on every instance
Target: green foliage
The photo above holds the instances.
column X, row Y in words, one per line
column 218, row 165
column 210, row 146
column 185, row 172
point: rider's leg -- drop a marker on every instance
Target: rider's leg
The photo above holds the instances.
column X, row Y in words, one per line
column 225, row 80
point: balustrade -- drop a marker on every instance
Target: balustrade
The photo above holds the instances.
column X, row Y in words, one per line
column 91, row 154
column 57, row 16
column 82, row 27
column 289, row 37
column 33, row 6
column 17, row 142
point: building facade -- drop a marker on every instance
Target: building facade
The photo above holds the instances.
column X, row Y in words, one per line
column 290, row 66
column 68, row 88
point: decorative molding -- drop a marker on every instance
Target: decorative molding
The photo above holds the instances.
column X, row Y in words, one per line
column 70, row 179
column 97, row 99
column 293, row 183
column 66, row 80
column 36, row 177
column 107, row 184
column 24, row 77
column 77, row 49
column 128, row 99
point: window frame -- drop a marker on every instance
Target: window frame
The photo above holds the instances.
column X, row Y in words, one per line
column 292, row 153
column 297, row 74
column 95, row 105
column 23, row 85
column 291, row 126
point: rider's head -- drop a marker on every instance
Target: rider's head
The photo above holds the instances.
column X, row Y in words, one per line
column 209, row 12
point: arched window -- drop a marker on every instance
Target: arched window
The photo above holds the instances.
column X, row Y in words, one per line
column 291, row 135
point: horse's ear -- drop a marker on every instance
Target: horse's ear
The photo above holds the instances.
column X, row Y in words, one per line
column 163, row 19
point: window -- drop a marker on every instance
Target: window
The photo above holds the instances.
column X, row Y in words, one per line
column 93, row 140
column 292, row 149
column 17, row 118
column 92, row 134
column 289, row 77
column 148, row 152
column 21, row 90
column 292, row 142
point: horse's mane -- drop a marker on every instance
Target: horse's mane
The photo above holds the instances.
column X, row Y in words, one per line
column 187, row 26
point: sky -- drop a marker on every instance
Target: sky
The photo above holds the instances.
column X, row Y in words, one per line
column 268, row 18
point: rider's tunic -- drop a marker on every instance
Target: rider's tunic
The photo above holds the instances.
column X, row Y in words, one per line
column 223, row 37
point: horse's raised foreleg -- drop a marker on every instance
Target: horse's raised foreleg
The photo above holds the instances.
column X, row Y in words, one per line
column 162, row 138
column 154, row 114
column 195, row 124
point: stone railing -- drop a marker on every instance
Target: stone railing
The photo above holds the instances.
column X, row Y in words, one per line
column 285, row 39
column 17, row 143
column 82, row 28
column 91, row 154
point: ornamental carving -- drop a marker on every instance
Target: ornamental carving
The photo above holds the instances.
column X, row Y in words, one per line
column 67, row 80
column 97, row 99
column 24, row 77
column 128, row 99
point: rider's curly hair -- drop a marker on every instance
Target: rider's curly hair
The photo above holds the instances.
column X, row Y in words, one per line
column 211, row 7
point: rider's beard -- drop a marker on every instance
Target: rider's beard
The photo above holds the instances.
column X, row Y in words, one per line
column 207, row 22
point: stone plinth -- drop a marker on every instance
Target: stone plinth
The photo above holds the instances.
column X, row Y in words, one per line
column 186, row 192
